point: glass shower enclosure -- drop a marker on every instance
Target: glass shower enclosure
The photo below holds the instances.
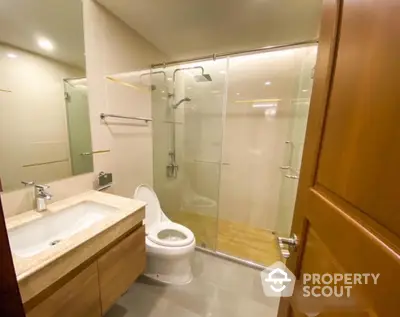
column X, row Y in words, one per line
column 228, row 136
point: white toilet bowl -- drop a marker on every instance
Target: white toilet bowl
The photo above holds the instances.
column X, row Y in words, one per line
column 169, row 246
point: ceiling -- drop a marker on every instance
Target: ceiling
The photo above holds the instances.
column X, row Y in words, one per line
column 185, row 29
column 60, row 21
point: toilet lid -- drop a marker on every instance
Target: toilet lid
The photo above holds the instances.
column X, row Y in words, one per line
column 153, row 208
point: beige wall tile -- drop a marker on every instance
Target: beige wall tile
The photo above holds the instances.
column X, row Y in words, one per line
column 112, row 47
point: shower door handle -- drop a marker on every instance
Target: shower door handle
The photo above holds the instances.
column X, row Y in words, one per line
column 287, row 245
column 289, row 163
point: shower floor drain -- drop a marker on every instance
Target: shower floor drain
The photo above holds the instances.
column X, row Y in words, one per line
column 54, row 242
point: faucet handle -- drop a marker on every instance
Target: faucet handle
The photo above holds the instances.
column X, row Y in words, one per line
column 28, row 183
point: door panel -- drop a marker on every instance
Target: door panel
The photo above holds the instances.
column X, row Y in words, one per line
column 10, row 298
column 365, row 100
column 317, row 258
column 348, row 208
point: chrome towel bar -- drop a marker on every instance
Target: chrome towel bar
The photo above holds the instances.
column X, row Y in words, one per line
column 103, row 116
column 94, row 152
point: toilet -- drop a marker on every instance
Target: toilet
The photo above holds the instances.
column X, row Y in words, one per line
column 169, row 246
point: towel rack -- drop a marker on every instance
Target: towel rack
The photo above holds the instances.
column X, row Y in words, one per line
column 45, row 163
column 95, row 152
column 103, row 116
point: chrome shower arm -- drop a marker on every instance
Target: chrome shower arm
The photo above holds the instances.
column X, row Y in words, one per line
column 186, row 68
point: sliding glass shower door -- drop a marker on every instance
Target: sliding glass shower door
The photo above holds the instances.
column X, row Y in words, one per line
column 294, row 142
column 267, row 109
column 188, row 112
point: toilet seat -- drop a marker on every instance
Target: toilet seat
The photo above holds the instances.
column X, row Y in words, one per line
column 159, row 229
column 170, row 234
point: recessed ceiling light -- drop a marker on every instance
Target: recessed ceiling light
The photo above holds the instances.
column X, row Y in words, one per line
column 45, row 44
column 169, row 78
column 12, row 55
column 162, row 91
column 238, row 93
column 222, row 72
column 304, row 90
column 267, row 83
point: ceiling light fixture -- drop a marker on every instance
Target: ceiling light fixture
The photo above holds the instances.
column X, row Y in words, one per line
column 267, row 83
column 238, row 93
column 264, row 105
column 258, row 100
column 12, row 55
column 45, row 44
column 304, row 90
column 222, row 72
column 270, row 112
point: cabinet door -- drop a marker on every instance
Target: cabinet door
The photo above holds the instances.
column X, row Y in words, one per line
column 78, row 298
column 120, row 267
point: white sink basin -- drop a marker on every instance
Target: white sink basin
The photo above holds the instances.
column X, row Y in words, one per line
column 42, row 234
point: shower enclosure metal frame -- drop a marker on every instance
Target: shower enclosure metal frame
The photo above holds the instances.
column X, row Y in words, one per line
column 215, row 56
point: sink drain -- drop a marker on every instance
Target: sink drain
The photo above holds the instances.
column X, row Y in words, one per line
column 54, row 242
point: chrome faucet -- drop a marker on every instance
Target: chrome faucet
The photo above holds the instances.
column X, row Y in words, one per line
column 41, row 195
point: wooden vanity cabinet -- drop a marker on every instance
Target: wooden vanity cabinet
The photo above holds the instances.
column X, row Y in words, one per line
column 78, row 297
column 120, row 266
column 94, row 289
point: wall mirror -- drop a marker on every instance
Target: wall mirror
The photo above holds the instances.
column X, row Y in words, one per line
column 44, row 114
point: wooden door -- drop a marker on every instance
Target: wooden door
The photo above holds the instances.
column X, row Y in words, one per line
column 10, row 299
column 347, row 213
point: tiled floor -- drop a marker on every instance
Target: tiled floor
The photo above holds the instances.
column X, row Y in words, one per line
column 237, row 239
column 220, row 288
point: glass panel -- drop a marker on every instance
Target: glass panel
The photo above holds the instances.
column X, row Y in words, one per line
column 262, row 101
column 187, row 105
column 295, row 141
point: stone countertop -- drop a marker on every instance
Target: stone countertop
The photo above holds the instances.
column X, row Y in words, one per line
column 36, row 273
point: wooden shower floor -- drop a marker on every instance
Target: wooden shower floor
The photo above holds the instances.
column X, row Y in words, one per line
column 240, row 240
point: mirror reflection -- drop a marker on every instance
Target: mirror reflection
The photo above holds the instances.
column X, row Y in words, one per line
column 44, row 114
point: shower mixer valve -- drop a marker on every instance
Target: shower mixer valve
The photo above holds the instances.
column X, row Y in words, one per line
column 172, row 167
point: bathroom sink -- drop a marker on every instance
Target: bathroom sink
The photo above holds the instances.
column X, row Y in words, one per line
column 39, row 235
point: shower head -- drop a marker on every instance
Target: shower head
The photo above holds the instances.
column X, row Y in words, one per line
column 202, row 78
column 198, row 78
column 180, row 101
